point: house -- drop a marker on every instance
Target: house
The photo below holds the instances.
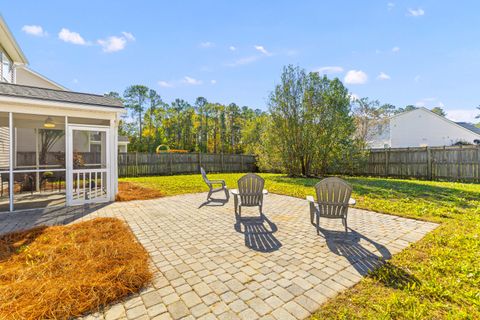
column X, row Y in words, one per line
column 57, row 147
column 421, row 128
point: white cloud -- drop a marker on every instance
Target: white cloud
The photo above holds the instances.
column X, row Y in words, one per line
column 165, row 84
column 262, row 50
column 206, row 44
column 72, row 37
column 116, row 43
column 232, row 48
column 356, row 77
column 34, row 30
column 191, row 81
column 430, row 102
column 464, row 115
column 415, row 12
column 417, row 78
column 128, row 36
column 395, row 49
column 329, row 70
column 113, row 44
column 383, row 76
column 390, row 5
column 213, row 81
column 75, row 80
column 243, row 61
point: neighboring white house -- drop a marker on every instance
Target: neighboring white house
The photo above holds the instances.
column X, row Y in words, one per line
column 57, row 147
column 422, row 127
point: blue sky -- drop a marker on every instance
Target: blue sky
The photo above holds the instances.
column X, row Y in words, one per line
column 401, row 52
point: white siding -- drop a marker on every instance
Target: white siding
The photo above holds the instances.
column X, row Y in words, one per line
column 28, row 78
column 420, row 128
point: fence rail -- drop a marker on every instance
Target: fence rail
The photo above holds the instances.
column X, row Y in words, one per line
column 459, row 163
column 149, row 164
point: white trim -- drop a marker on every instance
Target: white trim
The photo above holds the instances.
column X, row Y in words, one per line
column 70, row 171
column 10, row 182
column 61, row 104
column 12, row 42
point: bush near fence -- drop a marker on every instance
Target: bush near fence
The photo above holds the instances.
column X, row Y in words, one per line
column 134, row 164
column 456, row 163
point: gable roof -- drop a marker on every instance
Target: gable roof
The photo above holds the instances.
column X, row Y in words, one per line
column 10, row 44
column 20, row 91
column 466, row 126
column 38, row 75
column 469, row 126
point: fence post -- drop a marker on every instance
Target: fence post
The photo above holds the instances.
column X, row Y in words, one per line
column 136, row 163
column 478, row 163
column 199, row 161
column 429, row 163
column 459, row 163
column 221, row 162
column 387, row 161
column 170, row 160
column 241, row 163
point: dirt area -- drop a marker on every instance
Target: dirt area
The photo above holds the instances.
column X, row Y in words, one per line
column 128, row 191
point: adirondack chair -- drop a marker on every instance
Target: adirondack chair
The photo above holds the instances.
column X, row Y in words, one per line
column 333, row 200
column 250, row 193
column 211, row 183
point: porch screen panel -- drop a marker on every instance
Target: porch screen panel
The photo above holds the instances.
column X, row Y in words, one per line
column 38, row 161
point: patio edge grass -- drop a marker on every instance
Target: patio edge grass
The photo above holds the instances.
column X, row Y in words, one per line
column 436, row 277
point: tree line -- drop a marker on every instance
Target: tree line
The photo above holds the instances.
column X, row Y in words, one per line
column 202, row 127
column 312, row 124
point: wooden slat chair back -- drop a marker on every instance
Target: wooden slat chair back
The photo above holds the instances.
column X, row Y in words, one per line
column 250, row 188
column 211, row 183
column 333, row 199
column 333, row 195
column 204, row 176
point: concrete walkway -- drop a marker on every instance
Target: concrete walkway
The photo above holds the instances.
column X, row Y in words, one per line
column 208, row 265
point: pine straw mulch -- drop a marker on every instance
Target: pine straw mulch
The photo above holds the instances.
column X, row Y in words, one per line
column 65, row 271
column 128, row 191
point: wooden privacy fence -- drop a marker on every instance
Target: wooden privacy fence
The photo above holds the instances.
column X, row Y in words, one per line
column 150, row 164
column 432, row 163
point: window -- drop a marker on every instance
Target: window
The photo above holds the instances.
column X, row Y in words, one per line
column 7, row 68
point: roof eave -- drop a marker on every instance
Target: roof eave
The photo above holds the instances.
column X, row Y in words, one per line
column 61, row 104
column 11, row 46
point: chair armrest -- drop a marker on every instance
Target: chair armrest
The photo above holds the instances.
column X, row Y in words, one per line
column 264, row 191
column 235, row 192
column 217, row 182
column 310, row 199
column 352, row 202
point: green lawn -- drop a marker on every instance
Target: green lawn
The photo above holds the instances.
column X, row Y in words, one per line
column 442, row 270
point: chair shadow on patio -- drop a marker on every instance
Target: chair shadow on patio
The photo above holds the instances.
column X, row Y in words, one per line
column 214, row 203
column 349, row 245
column 259, row 233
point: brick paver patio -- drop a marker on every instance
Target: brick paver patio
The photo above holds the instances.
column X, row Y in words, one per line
column 209, row 265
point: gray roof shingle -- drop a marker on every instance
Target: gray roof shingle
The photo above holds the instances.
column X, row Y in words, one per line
column 469, row 126
column 21, row 91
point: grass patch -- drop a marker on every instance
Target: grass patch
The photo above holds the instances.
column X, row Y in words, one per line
column 64, row 271
column 437, row 277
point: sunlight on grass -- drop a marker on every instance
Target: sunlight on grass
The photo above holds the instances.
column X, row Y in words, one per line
column 438, row 277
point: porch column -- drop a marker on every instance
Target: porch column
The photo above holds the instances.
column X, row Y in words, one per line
column 113, row 170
